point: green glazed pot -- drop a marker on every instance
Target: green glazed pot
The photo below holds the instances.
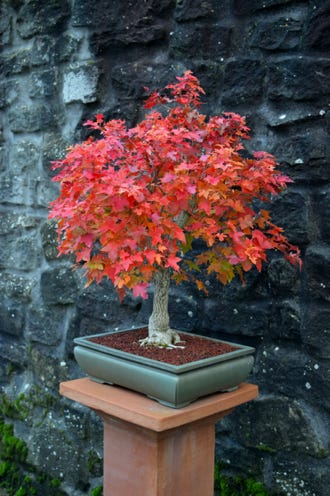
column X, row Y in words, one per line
column 172, row 385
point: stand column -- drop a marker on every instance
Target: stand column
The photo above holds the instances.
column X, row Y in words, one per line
column 153, row 450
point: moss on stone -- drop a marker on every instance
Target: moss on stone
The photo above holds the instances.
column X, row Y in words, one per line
column 94, row 464
column 97, row 491
column 236, row 486
column 21, row 407
column 17, row 476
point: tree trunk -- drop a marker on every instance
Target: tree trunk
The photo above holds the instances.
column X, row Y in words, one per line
column 159, row 320
column 159, row 332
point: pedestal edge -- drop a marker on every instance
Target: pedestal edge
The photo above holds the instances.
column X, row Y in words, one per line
column 138, row 409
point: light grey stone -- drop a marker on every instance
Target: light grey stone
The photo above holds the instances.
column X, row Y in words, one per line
column 80, row 83
column 24, row 156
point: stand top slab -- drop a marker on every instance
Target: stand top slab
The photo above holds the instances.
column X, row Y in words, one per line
column 137, row 409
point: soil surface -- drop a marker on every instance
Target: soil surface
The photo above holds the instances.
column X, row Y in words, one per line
column 192, row 347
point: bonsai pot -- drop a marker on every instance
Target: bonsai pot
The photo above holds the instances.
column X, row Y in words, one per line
column 172, row 385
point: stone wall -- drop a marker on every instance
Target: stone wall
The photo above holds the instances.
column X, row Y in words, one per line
column 63, row 61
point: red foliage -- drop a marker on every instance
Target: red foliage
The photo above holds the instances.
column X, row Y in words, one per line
column 133, row 201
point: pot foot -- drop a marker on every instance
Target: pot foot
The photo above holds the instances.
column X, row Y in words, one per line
column 171, row 405
column 100, row 381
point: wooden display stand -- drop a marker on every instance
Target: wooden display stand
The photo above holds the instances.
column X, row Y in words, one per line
column 153, row 450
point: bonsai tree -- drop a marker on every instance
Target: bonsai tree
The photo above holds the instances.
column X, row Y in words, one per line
column 132, row 201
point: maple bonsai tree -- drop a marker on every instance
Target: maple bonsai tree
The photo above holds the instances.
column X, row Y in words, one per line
column 133, row 200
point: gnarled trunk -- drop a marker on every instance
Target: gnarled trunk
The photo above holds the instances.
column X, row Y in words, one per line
column 159, row 332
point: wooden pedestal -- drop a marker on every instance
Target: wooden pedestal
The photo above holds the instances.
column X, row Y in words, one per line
column 153, row 450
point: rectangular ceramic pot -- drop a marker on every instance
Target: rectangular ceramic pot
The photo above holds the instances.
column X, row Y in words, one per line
column 172, row 385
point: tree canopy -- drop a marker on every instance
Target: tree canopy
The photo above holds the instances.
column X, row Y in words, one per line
column 133, row 199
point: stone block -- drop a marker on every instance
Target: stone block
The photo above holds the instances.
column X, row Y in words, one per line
column 99, row 310
column 285, row 114
column 111, row 15
column 322, row 209
column 99, row 302
column 327, row 119
column 189, row 10
column 116, row 25
column 290, row 211
column 286, row 321
column 24, row 156
column 304, row 156
column 49, row 240
column 299, row 78
column 283, row 277
column 67, row 46
column 137, row 32
column 243, row 8
column 274, row 362
column 276, row 423
column 77, row 422
column 300, row 475
column 239, row 319
column 243, row 82
column 80, row 83
column 54, row 147
column 5, row 23
column 16, row 223
column 59, row 286
column 9, row 93
column 12, row 318
column 184, row 310
column 80, row 326
column 18, row 287
column 2, row 158
column 14, row 189
column 23, row 252
column 45, row 325
column 316, row 330
column 124, row 108
column 279, row 34
column 15, row 63
column 200, row 40
column 103, row 14
column 45, row 192
column 316, row 265
column 55, row 452
column 43, row 83
column 286, row 369
column 31, row 118
column 42, row 51
column 233, row 456
column 317, row 36
column 129, row 79
column 210, row 74
column 13, row 352
column 47, row 366
column 42, row 18
column 317, row 377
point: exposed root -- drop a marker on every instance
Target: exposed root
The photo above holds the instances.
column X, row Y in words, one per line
column 167, row 339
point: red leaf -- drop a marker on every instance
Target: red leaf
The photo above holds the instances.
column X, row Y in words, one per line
column 141, row 290
column 172, row 261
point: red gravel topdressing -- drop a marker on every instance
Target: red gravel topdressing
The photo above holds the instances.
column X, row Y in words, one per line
column 195, row 347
